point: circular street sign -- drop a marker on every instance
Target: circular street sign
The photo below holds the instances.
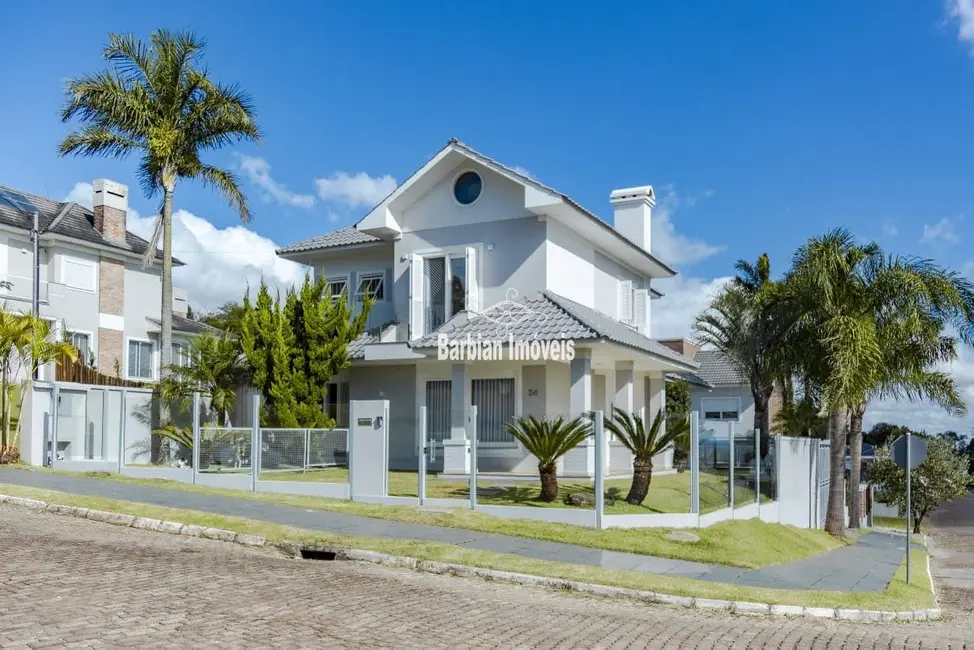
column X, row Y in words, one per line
column 918, row 451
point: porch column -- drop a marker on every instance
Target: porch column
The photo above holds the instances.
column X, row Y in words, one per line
column 456, row 450
column 580, row 461
column 656, row 401
column 624, row 399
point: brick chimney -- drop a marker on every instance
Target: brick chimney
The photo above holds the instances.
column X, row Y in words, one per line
column 632, row 211
column 683, row 346
column 110, row 203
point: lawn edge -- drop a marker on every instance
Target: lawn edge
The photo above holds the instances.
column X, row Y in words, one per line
column 293, row 549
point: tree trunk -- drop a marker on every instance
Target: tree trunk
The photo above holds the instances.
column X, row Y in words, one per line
column 835, row 514
column 166, row 335
column 855, row 456
column 549, row 483
column 642, row 475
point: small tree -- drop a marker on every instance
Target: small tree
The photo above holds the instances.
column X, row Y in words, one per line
column 215, row 369
column 644, row 443
column 942, row 477
column 549, row 440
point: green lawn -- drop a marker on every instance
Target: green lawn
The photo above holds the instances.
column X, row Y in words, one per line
column 668, row 493
column 750, row 543
column 898, row 596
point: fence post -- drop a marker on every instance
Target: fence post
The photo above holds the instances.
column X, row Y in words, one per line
column 421, row 480
column 473, row 457
column 730, row 464
column 694, row 463
column 196, row 435
column 307, row 449
column 757, row 469
column 55, row 398
column 599, row 433
column 121, row 431
column 255, row 444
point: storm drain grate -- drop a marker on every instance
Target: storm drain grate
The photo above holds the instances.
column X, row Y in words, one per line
column 317, row 554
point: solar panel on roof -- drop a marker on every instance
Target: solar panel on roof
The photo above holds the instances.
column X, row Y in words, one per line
column 18, row 201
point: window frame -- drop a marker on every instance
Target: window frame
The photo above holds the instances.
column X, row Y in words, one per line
column 184, row 345
column 722, row 412
column 152, row 358
column 456, row 178
column 345, row 279
column 91, row 342
column 448, row 256
column 368, row 276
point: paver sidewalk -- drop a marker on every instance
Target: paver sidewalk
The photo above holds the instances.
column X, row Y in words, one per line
column 867, row 565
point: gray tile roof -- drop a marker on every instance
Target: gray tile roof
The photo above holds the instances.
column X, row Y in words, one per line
column 549, row 316
column 717, row 369
column 187, row 326
column 347, row 236
column 691, row 378
column 69, row 220
column 356, row 349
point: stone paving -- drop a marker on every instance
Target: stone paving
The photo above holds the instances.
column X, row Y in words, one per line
column 867, row 565
column 67, row 582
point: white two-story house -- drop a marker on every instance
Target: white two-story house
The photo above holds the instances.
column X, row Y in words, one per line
column 467, row 247
column 93, row 286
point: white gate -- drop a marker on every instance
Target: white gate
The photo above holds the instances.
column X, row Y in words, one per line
column 822, row 481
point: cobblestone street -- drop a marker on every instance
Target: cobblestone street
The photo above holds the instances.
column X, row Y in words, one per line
column 65, row 581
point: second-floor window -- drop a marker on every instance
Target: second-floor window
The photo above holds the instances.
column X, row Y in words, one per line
column 78, row 273
column 335, row 287
column 140, row 359
column 371, row 285
column 82, row 343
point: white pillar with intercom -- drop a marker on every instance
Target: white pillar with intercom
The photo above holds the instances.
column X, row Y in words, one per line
column 368, row 448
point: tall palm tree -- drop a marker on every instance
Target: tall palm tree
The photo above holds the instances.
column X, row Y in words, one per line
column 549, row 440
column 745, row 323
column 158, row 101
column 215, row 368
column 644, row 443
column 870, row 326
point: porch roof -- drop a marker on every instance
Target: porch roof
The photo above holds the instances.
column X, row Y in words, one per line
column 549, row 316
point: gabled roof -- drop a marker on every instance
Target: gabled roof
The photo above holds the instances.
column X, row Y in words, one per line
column 550, row 316
column 344, row 236
column 718, row 369
column 68, row 220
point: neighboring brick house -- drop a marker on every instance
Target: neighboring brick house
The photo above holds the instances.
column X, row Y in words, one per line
column 93, row 286
column 729, row 398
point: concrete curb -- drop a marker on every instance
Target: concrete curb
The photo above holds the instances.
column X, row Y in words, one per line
column 293, row 549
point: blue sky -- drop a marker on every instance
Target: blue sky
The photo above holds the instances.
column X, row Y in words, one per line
column 760, row 124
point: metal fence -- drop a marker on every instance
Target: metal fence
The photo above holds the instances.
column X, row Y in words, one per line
column 285, row 450
column 224, row 449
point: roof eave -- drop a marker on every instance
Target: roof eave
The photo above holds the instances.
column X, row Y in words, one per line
column 290, row 254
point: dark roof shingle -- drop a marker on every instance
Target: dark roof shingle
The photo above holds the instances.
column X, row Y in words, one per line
column 68, row 220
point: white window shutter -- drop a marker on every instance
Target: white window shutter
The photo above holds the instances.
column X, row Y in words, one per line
column 473, row 282
column 416, row 298
column 639, row 298
column 625, row 301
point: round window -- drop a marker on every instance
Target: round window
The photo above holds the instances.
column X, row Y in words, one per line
column 467, row 188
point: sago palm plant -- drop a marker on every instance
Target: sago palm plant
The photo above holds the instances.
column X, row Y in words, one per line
column 549, row 440
column 644, row 443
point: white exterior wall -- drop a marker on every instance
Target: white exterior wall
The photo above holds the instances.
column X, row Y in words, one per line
column 569, row 265
column 742, row 393
column 351, row 265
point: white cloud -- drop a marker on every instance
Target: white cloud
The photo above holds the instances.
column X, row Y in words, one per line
column 221, row 262
column 962, row 13
column 258, row 171
column 890, row 229
column 671, row 247
column 355, row 190
column 684, row 299
column 81, row 194
column 943, row 232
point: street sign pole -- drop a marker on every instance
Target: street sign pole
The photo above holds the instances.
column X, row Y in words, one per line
column 909, row 506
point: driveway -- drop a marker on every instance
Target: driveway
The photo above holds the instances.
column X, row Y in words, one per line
column 67, row 581
column 952, row 554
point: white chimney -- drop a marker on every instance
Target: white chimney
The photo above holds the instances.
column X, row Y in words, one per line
column 110, row 204
column 633, row 211
column 180, row 302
